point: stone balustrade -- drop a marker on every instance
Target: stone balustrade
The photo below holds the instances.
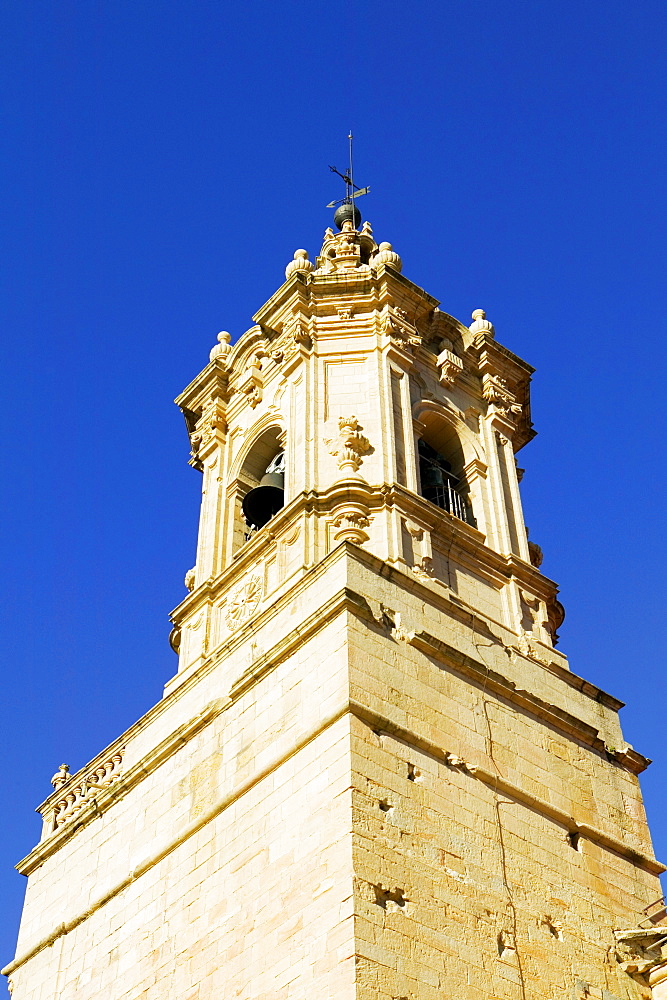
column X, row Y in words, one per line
column 75, row 794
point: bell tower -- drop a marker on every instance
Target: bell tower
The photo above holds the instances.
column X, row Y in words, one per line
column 355, row 410
column 373, row 774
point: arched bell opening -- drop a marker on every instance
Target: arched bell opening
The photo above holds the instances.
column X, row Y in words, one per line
column 441, row 465
column 264, row 501
column 260, row 485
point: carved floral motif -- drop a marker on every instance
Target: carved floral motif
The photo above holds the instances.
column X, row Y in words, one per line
column 243, row 603
column 350, row 444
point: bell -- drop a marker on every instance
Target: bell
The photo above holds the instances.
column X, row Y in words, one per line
column 431, row 476
column 265, row 500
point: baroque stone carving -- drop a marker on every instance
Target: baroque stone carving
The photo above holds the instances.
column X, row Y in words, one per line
column 555, row 618
column 391, row 620
column 480, row 323
column 190, row 579
column 459, row 764
column 211, row 421
column 294, row 337
column 351, row 521
column 222, row 349
column 251, row 384
column 536, row 554
column 494, row 390
column 348, row 250
column 642, row 953
column 87, row 788
column 61, row 776
column 350, row 444
column 345, row 312
column 300, row 264
column 449, row 365
column 422, row 554
column 175, row 639
column 526, row 647
column 399, row 331
column 243, row 603
column 400, row 632
column 387, row 255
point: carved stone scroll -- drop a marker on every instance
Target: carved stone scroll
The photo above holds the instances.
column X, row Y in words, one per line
column 495, row 391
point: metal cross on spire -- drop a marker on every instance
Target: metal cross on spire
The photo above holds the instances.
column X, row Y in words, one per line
column 352, row 190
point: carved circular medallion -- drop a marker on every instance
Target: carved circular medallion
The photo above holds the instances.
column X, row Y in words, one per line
column 243, row 602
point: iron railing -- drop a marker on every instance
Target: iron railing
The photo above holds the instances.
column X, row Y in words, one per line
column 447, row 497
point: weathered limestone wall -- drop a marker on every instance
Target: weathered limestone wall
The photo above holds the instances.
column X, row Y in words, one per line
column 226, row 869
column 464, row 892
column 468, row 879
column 349, row 779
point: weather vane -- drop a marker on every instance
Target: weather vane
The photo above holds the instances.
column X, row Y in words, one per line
column 352, row 191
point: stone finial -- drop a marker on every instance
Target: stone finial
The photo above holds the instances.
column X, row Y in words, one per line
column 222, row 349
column 481, row 324
column 61, row 776
column 190, row 579
column 385, row 255
column 300, row 263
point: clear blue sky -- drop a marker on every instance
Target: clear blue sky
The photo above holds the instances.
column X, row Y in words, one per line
column 163, row 160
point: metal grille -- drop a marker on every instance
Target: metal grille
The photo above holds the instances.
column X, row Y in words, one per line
column 447, row 498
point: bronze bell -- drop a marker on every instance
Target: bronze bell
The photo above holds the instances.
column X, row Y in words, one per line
column 431, row 476
column 265, row 500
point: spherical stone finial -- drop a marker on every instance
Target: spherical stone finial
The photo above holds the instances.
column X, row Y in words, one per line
column 300, row 263
column 385, row 255
column 347, row 212
column 481, row 323
column 222, row 348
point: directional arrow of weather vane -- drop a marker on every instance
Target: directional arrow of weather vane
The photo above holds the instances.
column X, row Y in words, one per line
column 352, row 191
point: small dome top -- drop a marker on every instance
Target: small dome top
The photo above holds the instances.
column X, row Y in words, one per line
column 481, row 323
column 385, row 255
column 300, row 263
column 347, row 213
